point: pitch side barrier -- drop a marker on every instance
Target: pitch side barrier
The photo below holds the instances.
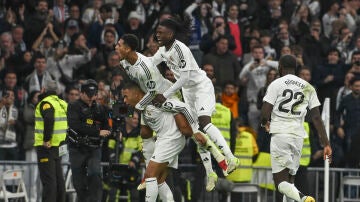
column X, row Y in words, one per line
column 261, row 176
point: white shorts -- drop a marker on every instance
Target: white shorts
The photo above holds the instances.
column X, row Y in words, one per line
column 201, row 98
column 285, row 150
column 167, row 150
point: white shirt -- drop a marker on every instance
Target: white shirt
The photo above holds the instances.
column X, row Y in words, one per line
column 182, row 63
column 163, row 123
column 256, row 78
column 148, row 77
column 290, row 96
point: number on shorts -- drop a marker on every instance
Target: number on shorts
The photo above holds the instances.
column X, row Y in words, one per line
column 292, row 96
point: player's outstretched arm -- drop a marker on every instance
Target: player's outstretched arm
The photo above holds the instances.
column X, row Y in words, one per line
column 319, row 125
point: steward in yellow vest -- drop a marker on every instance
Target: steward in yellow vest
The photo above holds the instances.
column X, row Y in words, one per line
column 245, row 148
column 50, row 133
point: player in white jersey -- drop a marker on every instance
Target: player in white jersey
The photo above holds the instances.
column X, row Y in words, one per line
column 168, row 145
column 141, row 70
column 286, row 102
column 197, row 88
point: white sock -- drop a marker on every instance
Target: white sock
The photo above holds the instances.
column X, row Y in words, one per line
column 148, row 149
column 165, row 193
column 216, row 136
column 211, row 147
column 152, row 189
column 289, row 190
column 206, row 159
column 287, row 199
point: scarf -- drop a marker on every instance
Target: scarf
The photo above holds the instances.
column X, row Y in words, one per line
column 7, row 132
column 231, row 102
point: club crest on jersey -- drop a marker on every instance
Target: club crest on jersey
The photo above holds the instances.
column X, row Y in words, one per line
column 150, row 84
column 168, row 105
column 182, row 63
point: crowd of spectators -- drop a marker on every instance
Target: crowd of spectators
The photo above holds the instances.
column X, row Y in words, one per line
column 237, row 43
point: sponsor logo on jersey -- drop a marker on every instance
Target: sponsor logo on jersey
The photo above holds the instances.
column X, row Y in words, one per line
column 150, row 84
column 168, row 105
column 202, row 109
column 182, row 63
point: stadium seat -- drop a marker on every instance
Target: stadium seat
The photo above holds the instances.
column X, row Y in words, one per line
column 12, row 178
column 245, row 188
column 353, row 185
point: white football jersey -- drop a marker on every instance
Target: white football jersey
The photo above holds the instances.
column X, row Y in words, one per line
column 161, row 122
column 148, row 77
column 290, row 96
column 179, row 58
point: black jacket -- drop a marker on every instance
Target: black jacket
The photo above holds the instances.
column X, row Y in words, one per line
column 85, row 120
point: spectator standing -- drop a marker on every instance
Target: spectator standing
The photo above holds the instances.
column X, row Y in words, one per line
column 329, row 17
column 61, row 11
column 349, row 112
column 8, row 136
column 225, row 63
column 18, row 38
column 92, row 14
column 235, row 29
column 200, row 14
column 35, row 23
column 230, row 98
column 45, row 41
column 50, row 134
column 37, row 79
column 329, row 77
column 345, row 89
column 253, row 76
column 32, row 173
column 218, row 28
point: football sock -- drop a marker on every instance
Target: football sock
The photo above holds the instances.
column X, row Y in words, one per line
column 151, row 189
column 165, row 193
column 289, row 190
column 212, row 148
column 148, row 149
column 206, row 159
column 216, row 136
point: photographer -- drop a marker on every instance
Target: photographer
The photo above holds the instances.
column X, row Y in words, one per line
column 87, row 124
column 125, row 149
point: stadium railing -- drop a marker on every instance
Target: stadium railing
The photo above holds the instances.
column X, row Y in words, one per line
column 315, row 177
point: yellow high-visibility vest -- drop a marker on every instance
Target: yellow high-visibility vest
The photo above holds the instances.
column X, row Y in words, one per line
column 130, row 144
column 244, row 150
column 265, row 178
column 60, row 124
column 306, row 150
column 222, row 120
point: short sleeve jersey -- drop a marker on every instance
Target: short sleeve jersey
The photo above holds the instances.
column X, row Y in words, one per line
column 179, row 58
column 290, row 96
column 147, row 76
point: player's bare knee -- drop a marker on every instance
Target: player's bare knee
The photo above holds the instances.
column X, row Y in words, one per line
column 200, row 139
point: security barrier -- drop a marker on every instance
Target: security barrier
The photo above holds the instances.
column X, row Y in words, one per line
column 315, row 178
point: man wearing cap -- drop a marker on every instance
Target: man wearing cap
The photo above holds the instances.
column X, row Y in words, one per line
column 72, row 27
column 87, row 124
column 50, row 134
